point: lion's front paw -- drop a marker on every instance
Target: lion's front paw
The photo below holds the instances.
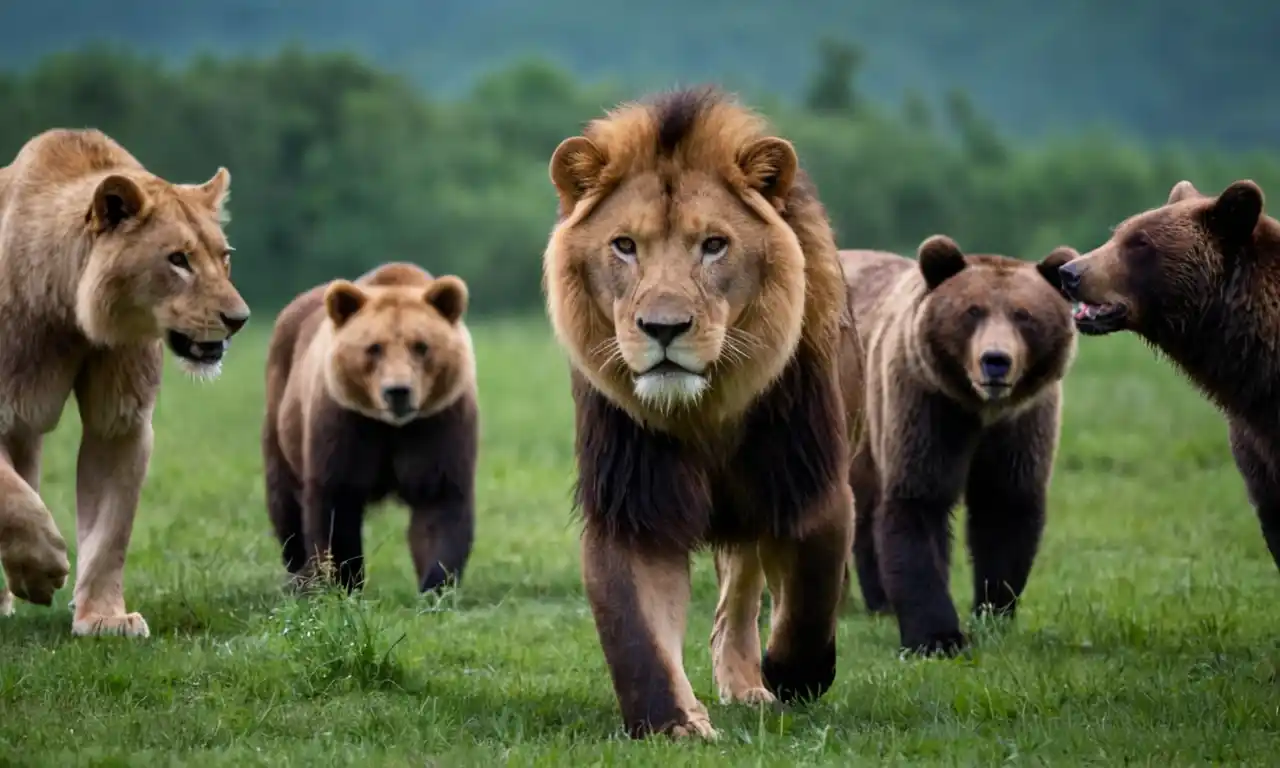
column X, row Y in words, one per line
column 128, row 625
column 6, row 602
column 750, row 696
column 696, row 724
column 35, row 563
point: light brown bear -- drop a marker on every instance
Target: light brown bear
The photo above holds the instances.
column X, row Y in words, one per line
column 371, row 393
column 1198, row 279
column 965, row 359
column 101, row 264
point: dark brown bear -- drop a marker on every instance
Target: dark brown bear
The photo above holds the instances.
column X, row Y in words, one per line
column 371, row 393
column 965, row 358
column 1198, row 279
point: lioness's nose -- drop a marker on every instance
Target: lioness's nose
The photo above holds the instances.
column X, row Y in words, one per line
column 234, row 321
column 664, row 330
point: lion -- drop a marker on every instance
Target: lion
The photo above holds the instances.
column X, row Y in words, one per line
column 692, row 279
column 101, row 265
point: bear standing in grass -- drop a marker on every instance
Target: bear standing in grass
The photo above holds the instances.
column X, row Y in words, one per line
column 965, row 357
column 371, row 392
column 1198, row 279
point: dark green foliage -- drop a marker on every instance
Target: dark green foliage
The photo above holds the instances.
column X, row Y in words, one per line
column 338, row 165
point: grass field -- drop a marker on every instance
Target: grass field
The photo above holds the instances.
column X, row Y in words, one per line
column 1149, row 632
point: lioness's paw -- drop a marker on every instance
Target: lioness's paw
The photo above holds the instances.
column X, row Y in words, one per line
column 696, row 725
column 6, row 602
column 35, row 564
column 128, row 625
column 750, row 696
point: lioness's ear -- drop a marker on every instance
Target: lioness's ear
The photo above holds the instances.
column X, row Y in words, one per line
column 448, row 294
column 117, row 198
column 342, row 300
column 1235, row 213
column 940, row 259
column 1183, row 190
column 1048, row 268
column 769, row 165
column 215, row 193
column 575, row 168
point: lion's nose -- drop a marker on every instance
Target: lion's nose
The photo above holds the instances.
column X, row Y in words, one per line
column 664, row 330
column 234, row 322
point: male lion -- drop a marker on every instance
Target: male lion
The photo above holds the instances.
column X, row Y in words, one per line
column 692, row 277
column 99, row 262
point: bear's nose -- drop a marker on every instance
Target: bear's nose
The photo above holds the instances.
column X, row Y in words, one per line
column 1069, row 276
column 664, row 329
column 995, row 365
column 234, row 322
column 398, row 399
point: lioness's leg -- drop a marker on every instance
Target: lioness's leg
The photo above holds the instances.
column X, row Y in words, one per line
column 735, row 638
column 639, row 603
column 806, row 579
column 32, row 550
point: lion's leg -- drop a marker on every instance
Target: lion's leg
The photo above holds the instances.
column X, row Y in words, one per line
column 735, row 638
column 639, row 603
column 806, row 580
column 32, row 550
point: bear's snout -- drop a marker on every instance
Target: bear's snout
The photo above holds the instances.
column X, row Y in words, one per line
column 995, row 365
column 1069, row 276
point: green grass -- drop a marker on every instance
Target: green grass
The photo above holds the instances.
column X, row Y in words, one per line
column 1148, row 633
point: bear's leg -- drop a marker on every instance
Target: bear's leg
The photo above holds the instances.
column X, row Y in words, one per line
column 638, row 601
column 1005, row 499
column 440, row 536
column 284, row 506
column 1258, row 469
column 33, row 552
column 735, row 635
column 806, row 580
column 866, row 494
column 913, row 536
column 332, row 522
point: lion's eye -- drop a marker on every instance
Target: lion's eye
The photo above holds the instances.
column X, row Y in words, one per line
column 419, row 348
column 374, row 350
column 714, row 247
column 179, row 260
column 624, row 248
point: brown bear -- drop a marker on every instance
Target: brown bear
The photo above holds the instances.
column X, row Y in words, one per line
column 965, row 359
column 1198, row 279
column 371, row 393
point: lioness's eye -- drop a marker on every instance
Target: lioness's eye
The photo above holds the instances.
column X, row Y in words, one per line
column 714, row 247
column 179, row 260
column 624, row 248
column 374, row 350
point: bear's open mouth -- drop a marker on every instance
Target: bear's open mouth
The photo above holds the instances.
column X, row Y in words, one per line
column 1099, row 319
column 197, row 352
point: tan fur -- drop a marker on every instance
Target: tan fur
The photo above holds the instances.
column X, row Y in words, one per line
column 88, row 279
column 776, row 288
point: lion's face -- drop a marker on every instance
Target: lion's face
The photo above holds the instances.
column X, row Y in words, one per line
column 679, row 285
column 160, row 267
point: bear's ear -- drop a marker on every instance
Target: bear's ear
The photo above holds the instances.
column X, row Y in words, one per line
column 940, row 259
column 116, row 199
column 1048, row 268
column 448, row 294
column 1183, row 190
column 1234, row 215
column 342, row 300
column 575, row 168
column 769, row 167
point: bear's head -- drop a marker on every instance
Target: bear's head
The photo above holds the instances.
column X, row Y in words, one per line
column 159, row 266
column 1170, row 270
column 398, row 352
column 993, row 328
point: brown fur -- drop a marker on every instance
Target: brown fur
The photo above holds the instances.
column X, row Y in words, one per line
column 333, row 440
column 99, row 261
column 687, row 230
column 1198, row 279
column 938, row 333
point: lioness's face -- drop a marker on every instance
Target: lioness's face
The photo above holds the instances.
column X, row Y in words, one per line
column 161, row 267
column 675, row 272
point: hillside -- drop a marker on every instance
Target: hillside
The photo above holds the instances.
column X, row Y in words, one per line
column 1166, row 70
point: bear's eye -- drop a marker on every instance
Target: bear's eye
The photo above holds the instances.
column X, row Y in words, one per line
column 1021, row 315
column 373, row 350
column 714, row 247
column 179, row 260
column 974, row 310
column 418, row 348
column 624, row 248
